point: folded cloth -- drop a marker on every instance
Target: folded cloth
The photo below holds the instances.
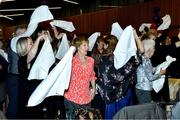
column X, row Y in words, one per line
column 56, row 82
column 43, row 62
column 63, row 47
column 36, row 17
column 158, row 84
column 66, row 25
column 116, row 30
column 125, row 48
column 166, row 23
column 92, row 40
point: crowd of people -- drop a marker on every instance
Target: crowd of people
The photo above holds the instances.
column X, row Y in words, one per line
column 97, row 89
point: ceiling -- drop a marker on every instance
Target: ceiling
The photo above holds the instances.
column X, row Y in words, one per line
column 24, row 8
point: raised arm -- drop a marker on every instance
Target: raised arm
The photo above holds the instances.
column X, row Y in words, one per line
column 138, row 42
column 33, row 50
column 57, row 34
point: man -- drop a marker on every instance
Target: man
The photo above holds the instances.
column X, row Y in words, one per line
column 12, row 77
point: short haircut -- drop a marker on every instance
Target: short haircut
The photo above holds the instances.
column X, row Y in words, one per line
column 78, row 41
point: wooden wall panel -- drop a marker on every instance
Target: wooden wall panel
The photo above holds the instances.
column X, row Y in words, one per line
column 133, row 14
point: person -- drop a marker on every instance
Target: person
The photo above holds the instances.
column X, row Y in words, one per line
column 98, row 50
column 97, row 102
column 27, row 50
column 3, row 73
column 12, row 80
column 57, row 39
column 3, row 52
column 161, row 51
column 114, row 84
column 82, row 82
column 146, row 73
column 54, row 105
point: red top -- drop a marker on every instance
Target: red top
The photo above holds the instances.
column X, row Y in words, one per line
column 81, row 76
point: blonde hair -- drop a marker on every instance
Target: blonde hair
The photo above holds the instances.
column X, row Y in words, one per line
column 21, row 46
column 148, row 44
column 78, row 41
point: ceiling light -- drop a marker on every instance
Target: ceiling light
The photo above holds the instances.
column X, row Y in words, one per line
column 6, row 0
column 69, row 1
column 14, row 15
column 26, row 9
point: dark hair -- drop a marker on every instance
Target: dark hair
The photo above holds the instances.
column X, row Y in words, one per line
column 38, row 30
column 174, row 39
column 111, row 41
column 95, row 48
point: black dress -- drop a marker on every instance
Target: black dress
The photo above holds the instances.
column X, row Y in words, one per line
column 26, row 88
column 23, row 83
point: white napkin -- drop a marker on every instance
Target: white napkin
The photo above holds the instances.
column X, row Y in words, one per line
column 66, row 25
column 158, row 84
column 63, row 47
column 43, row 62
column 116, row 30
column 125, row 48
column 166, row 23
column 56, row 82
column 92, row 40
column 40, row 14
column 143, row 25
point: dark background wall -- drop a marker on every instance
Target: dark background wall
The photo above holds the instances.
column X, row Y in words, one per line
column 126, row 15
column 91, row 17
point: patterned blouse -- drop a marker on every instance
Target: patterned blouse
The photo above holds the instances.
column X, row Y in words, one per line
column 145, row 75
column 81, row 76
column 113, row 84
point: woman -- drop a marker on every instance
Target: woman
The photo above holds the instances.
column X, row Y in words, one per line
column 114, row 85
column 27, row 50
column 97, row 53
column 98, row 50
column 82, row 82
column 3, row 73
column 146, row 73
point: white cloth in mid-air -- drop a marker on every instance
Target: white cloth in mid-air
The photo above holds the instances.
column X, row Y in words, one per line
column 63, row 47
column 43, row 62
column 158, row 84
column 116, row 30
column 40, row 14
column 92, row 40
column 143, row 25
column 66, row 25
column 56, row 82
column 125, row 48
column 166, row 23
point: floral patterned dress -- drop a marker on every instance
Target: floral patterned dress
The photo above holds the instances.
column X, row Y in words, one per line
column 113, row 84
